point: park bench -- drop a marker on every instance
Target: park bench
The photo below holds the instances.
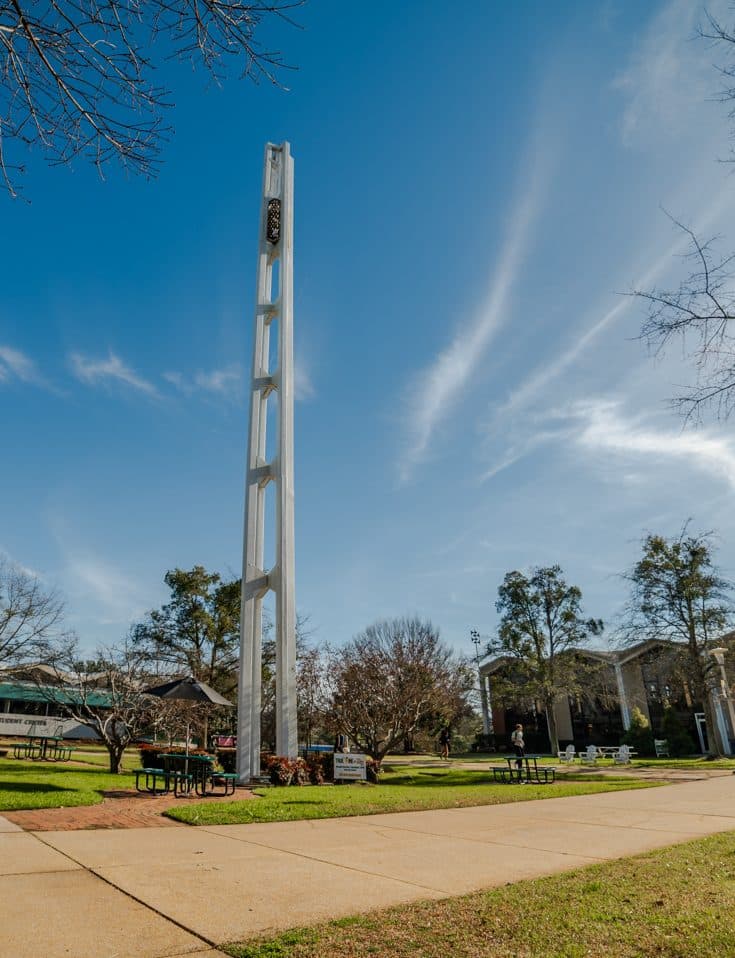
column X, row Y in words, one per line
column 500, row 773
column 183, row 782
column 27, row 749
column 529, row 773
column 224, row 780
column 59, row 753
column 156, row 780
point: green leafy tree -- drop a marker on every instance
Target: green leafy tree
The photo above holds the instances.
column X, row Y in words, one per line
column 677, row 737
column 541, row 626
column 198, row 630
column 677, row 593
column 639, row 736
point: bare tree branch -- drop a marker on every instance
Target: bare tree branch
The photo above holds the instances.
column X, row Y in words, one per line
column 699, row 314
column 76, row 76
column 29, row 613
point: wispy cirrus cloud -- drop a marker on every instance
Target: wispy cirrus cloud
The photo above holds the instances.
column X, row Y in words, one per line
column 437, row 387
column 224, row 383
column 229, row 382
column 536, row 385
column 668, row 79
column 16, row 365
column 112, row 370
column 606, row 429
column 302, row 383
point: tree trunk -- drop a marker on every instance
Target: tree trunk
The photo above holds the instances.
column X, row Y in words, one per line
column 702, row 690
column 115, row 753
column 551, row 726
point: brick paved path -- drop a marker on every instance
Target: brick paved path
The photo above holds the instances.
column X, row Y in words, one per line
column 119, row 809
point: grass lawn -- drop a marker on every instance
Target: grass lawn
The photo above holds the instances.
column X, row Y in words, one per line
column 677, row 902
column 691, row 762
column 99, row 758
column 47, row 785
column 404, row 790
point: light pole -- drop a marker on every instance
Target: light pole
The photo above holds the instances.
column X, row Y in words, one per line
column 476, row 638
column 724, row 696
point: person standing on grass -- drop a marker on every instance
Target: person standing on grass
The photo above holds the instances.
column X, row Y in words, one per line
column 519, row 747
column 445, row 738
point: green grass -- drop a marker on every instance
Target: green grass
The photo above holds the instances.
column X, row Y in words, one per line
column 45, row 785
column 693, row 761
column 404, row 790
column 100, row 758
column 677, row 902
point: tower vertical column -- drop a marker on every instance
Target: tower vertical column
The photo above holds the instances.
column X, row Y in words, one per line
column 275, row 245
column 286, row 729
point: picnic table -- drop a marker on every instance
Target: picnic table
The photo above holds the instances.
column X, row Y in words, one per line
column 43, row 748
column 184, row 774
column 529, row 773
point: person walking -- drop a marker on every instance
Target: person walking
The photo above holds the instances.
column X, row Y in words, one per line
column 445, row 738
column 519, row 747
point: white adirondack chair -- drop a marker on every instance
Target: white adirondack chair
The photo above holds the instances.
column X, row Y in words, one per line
column 567, row 755
column 622, row 756
column 589, row 756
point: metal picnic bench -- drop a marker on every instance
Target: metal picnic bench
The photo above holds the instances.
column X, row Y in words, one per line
column 529, row 773
column 43, row 748
column 184, row 774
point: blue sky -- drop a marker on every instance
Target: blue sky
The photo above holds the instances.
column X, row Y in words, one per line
column 476, row 189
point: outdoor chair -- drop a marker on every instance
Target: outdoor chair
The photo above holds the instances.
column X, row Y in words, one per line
column 661, row 746
column 589, row 756
column 567, row 755
column 622, row 756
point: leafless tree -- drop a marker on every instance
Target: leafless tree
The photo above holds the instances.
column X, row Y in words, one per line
column 311, row 691
column 105, row 695
column 700, row 314
column 390, row 680
column 29, row 613
column 76, row 76
column 722, row 36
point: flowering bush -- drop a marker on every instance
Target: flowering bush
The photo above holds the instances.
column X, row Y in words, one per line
column 286, row 771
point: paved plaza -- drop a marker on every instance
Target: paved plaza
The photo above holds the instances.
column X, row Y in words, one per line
column 150, row 892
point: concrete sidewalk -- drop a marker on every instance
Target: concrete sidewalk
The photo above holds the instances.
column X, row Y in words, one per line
column 150, row 893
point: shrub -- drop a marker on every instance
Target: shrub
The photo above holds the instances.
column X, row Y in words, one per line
column 373, row 770
column 639, row 736
column 286, row 771
column 149, row 756
column 315, row 767
column 675, row 733
column 227, row 758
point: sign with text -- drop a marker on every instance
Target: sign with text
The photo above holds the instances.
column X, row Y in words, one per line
column 350, row 767
column 42, row 726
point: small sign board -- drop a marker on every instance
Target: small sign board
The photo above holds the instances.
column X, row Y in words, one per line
column 350, row 767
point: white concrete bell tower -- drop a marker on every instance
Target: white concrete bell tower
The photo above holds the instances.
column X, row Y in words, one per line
column 274, row 305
